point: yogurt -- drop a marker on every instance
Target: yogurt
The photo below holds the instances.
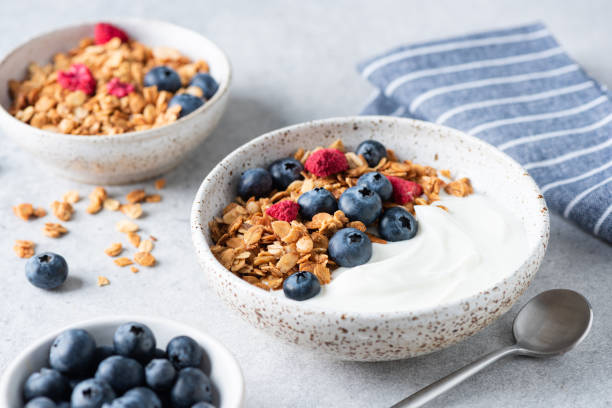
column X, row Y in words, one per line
column 455, row 254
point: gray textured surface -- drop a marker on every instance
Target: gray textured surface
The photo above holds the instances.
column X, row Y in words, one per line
column 294, row 62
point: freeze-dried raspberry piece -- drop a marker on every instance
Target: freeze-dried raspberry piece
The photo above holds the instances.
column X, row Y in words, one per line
column 77, row 78
column 404, row 191
column 104, row 32
column 325, row 162
column 285, row 210
column 118, row 88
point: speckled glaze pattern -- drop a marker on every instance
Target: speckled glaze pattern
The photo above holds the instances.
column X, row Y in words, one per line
column 129, row 157
column 376, row 336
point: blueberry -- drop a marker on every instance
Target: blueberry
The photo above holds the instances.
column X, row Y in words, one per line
column 165, row 78
column 122, row 373
column 206, row 83
column 191, row 386
column 46, row 383
column 203, row 405
column 47, row 270
column 159, row 374
column 188, row 103
column 125, row 402
column 73, row 352
column 134, row 340
column 91, row 393
column 146, row 397
column 255, row 182
column 360, row 203
column 63, row 404
column 41, row 402
column 285, row 171
column 377, row 183
column 159, row 353
column 350, row 247
column 397, row 224
column 316, row 201
column 301, row 286
column 103, row 352
column 183, row 351
column 372, row 150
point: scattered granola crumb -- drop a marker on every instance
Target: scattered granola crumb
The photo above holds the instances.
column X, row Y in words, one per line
column 111, row 204
column 114, row 250
column 153, row 198
column 126, row 226
column 145, row 246
column 136, row 196
column 24, row 248
column 134, row 269
column 71, row 196
column 152, row 238
column 445, row 173
column 96, row 199
column 144, row 259
column 442, row 207
column 24, row 211
column 54, row 230
column 62, row 210
column 132, row 210
column 103, row 281
column 123, row 261
column 160, row 183
column 134, row 239
column 40, row 212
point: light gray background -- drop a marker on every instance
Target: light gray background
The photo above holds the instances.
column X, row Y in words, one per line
column 294, row 61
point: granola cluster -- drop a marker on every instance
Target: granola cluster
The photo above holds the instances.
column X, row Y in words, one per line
column 98, row 200
column 264, row 250
column 97, row 89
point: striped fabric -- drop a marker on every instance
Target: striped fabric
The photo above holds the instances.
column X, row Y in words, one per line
column 518, row 90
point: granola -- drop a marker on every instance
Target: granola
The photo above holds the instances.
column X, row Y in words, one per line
column 265, row 247
column 98, row 89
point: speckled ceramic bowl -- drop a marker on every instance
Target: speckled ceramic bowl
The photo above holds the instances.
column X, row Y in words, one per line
column 220, row 364
column 124, row 158
column 375, row 336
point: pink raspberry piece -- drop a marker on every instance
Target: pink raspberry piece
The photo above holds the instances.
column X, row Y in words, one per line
column 325, row 162
column 104, row 32
column 77, row 78
column 404, row 191
column 118, row 88
column 285, row 210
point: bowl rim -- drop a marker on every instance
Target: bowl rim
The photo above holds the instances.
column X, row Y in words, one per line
column 221, row 349
column 134, row 135
column 202, row 246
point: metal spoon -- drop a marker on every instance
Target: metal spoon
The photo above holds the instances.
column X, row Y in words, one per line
column 551, row 323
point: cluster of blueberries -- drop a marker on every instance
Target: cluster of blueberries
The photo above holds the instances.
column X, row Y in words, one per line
column 348, row 247
column 166, row 79
column 131, row 373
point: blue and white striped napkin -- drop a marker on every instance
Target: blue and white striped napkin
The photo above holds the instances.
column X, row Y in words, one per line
column 518, row 90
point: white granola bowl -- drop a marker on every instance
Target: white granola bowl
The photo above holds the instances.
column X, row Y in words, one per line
column 375, row 336
column 222, row 367
column 128, row 157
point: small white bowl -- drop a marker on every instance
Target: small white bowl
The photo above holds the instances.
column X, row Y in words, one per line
column 123, row 158
column 375, row 336
column 225, row 372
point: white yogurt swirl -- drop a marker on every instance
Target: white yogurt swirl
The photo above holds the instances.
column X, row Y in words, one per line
column 455, row 254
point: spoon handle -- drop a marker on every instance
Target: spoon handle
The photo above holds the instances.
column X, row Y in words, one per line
column 430, row 392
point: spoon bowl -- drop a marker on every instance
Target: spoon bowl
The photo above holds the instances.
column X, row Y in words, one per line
column 552, row 323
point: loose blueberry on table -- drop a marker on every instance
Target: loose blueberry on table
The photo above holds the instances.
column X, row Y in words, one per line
column 47, row 270
column 116, row 377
